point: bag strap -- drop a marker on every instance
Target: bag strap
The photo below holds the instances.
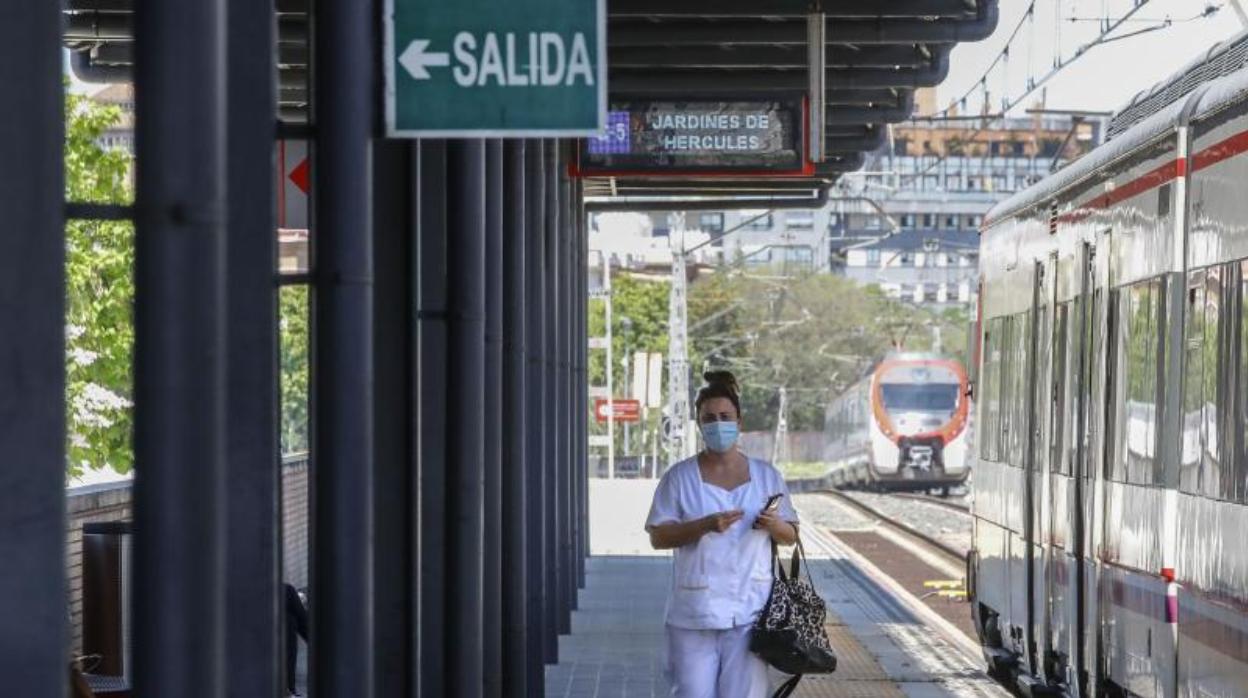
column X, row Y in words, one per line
column 799, row 560
column 796, row 563
column 787, row 687
column 775, row 562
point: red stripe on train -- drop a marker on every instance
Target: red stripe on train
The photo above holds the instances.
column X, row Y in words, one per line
column 1158, row 176
column 1218, row 634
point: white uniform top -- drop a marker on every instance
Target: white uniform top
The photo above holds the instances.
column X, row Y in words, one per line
column 724, row 579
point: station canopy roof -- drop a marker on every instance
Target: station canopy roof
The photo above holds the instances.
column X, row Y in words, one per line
column 878, row 52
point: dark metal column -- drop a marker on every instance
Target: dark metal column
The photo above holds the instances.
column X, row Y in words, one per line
column 554, row 597
column 578, row 390
column 515, row 423
column 253, row 467
column 33, row 595
column 342, row 372
column 394, row 517
column 577, row 273
column 179, row 325
column 432, row 389
column 567, row 483
column 465, row 493
column 536, row 424
column 582, row 381
column 495, row 417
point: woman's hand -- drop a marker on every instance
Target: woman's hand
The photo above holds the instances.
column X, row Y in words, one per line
column 781, row 531
column 679, row 534
column 721, row 521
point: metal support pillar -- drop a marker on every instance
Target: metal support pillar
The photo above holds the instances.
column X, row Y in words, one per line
column 180, row 348
column 494, row 415
column 253, row 546
column 432, row 389
column 515, row 422
column 816, row 95
column 394, row 514
column 342, row 650
column 536, row 424
column 567, row 483
column 578, row 382
column 32, row 364
column 680, row 444
column 465, row 493
column 550, row 402
column 582, row 379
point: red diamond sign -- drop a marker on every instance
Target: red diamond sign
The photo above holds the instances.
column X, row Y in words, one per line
column 299, row 175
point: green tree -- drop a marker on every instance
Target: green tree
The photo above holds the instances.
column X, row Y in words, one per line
column 99, row 295
column 99, row 308
column 639, row 315
column 814, row 334
column 293, row 364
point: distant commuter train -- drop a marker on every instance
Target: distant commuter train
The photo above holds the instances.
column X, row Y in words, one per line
column 1110, row 550
column 901, row 427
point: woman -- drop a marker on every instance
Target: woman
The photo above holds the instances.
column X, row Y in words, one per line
column 710, row 510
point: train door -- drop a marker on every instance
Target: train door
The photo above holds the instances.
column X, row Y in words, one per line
column 1064, row 557
column 1056, row 477
column 1036, row 461
column 1081, row 440
column 1092, row 468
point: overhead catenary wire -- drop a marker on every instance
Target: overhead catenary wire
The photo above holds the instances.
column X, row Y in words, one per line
column 1209, row 10
column 1003, row 54
column 1060, row 64
column 1108, row 25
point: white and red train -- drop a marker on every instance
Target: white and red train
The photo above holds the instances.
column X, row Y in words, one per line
column 903, row 426
column 1110, row 551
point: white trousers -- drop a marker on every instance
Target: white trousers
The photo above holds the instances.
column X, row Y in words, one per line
column 714, row 664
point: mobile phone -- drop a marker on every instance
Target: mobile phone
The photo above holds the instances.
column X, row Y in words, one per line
column 773, row 502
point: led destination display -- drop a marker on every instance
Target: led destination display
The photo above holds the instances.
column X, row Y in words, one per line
column 696, row 137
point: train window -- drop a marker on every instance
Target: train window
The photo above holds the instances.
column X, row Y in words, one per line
column 1115, row 466
column 991, row 392
column 1094, row 389
column 1074, row 384
column 1044, row 357
column 1212, row 460
column 1062, row 411
column 1237, row 423
column 1190, row 443
column 1216, row 466
column 920, row 397
column 1020, row 347
column 983, row 391
column 1136, row 404
column 1005, row 371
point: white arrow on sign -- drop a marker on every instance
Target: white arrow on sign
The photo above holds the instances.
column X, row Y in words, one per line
column 415, row 58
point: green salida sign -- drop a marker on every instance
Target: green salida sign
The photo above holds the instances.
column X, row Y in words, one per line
column 481, row 68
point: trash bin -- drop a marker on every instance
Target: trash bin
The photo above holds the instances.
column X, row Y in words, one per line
column 106, row 617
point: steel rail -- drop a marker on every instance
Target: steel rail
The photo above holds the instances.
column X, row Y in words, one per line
column 954, row 506
column 903, row 528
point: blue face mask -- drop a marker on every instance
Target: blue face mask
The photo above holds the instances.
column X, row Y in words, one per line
column 720, row 436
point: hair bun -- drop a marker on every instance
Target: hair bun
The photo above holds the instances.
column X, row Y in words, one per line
column 724, row 378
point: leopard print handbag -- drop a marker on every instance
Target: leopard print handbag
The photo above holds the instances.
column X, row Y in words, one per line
column 789, row 633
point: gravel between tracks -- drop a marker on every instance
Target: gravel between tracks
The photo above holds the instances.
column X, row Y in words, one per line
column 942, row 523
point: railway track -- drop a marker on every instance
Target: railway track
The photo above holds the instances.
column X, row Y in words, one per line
column 938, row 547
column 959, row 507
column 918, row 572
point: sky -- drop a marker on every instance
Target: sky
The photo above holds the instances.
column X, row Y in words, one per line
column 1104, row 78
